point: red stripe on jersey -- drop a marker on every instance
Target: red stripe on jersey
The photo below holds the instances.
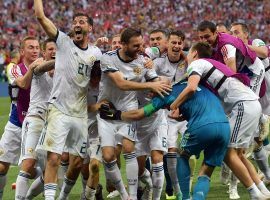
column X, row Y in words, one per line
column 14, row 72
column 224, row 52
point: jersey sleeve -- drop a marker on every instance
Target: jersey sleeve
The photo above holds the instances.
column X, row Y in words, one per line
column 13, row 73
column 61, row 38
column 228, row 51
column 258, row 43
column 107, row 64
column 195, row 68
column 150, row 75
column 152, row 52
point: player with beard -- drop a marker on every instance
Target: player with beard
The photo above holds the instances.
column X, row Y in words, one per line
column 123, row 70
column 20, row 77
column 67, row 111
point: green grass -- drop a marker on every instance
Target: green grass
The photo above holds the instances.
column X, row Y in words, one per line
column 217, row 190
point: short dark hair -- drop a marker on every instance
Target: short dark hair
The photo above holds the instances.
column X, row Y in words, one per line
column 243, row 26
column 159, row 30
column 203, row 48
column 221, row 24
column 207, row 25
column 128, row 33
column 44, row 44
column 89, row 19
column 177, row 33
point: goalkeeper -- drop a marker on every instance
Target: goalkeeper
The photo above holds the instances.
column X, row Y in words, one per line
column 207, row 129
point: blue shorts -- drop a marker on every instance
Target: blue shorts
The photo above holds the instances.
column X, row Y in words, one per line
column 212, row 138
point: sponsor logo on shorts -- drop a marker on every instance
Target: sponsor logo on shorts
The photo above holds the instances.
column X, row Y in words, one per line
column 30, row 150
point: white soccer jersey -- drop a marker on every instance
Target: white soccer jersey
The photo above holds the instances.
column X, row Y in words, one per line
column 152, row 52
column 41, row 87
column 259, row 43
column 72, row 73
column 132, row 71
column 172, row 70
column 230, row 92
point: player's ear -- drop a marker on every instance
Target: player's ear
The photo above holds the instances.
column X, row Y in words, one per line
column 195, row 54
column 90, row 28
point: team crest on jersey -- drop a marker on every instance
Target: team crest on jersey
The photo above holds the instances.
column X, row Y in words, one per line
column 49, row 141
column 181, row 65
column 137, row 71
column 2, row 152
column 92, row 59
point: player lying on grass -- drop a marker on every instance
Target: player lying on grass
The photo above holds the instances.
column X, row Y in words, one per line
column 207, row 129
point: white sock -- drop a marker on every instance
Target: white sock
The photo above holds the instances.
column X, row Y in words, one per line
column 158, row 179
column 262, row 161
column 171, row 165
column 50, row 191
column 132, row 170
column 89, row 193
column 146, row 178
column 3, row 181
column 263, row 188
column 66, row 188
column 233, row 181
column 22, row 184
column 36, row 188
column 113, row 174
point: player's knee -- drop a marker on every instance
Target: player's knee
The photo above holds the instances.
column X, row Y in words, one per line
column 4, row 167
column 108, row 154
column 94, row 167
column 28, row 165
column 65, row 157
column 53, row 160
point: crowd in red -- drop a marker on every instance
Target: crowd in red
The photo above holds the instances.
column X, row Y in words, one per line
column 110, row 16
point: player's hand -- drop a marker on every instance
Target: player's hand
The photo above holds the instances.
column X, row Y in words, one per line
column 160, row 87
column 175, row 114
column 148, row 63
column 108, row 111
column 36, row 63
column 174, row 105
column 101, row 41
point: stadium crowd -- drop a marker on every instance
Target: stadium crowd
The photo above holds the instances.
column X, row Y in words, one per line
column 67, row 91
column 110, row 17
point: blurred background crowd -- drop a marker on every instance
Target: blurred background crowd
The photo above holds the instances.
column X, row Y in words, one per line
column 111, row 16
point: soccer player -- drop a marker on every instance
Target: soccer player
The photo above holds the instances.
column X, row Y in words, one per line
column 20, row 77
column 207, row 129
column 240, row 104
column 123, row 70
column 173, row 66
column 221, row 28
column 116, row 43
column 159, row 38
column 15, row 59
column 233, row 52
column 35, row 120
column 67, row 111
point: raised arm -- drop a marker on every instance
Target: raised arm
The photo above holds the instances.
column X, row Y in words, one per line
column 46, row 23
column 261, row 51
column 160, row 87
column 44, row 67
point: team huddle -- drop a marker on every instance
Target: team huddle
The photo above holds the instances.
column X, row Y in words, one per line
column 76, row 108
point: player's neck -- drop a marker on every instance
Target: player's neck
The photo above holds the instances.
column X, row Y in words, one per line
column 123, row 56
column 174, row 58
column 82, row 45
column 27, row 62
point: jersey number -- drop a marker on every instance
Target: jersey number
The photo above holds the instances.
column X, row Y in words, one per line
column 83, row 69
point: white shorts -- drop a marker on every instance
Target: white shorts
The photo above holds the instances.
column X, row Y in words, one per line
column 174, row 128
column 112, row 132
column 10, row 144
column 31, row 131
column 244, row 121
column 61, row 130
column 257, row 78
column 265, row 100
column 153, row 138
column 93, row 144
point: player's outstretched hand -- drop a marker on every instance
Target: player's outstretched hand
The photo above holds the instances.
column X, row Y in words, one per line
column 148, row 63
column 101, row 41
column 108, row 111
column 160, row 87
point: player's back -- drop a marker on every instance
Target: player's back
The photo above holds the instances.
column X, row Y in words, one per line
column 202, row 108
